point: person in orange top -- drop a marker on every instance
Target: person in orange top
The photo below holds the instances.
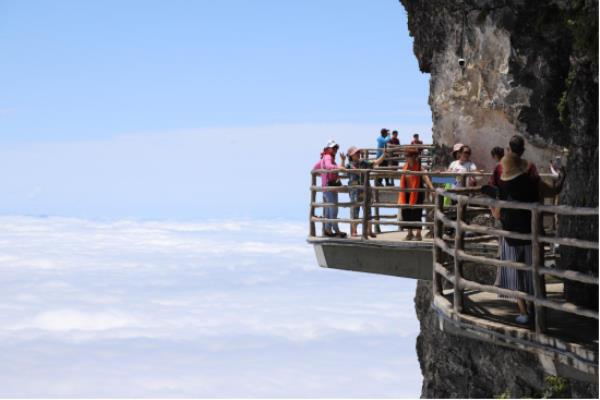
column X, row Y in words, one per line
column 413, row 198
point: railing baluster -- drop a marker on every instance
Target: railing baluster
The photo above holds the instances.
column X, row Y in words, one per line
column 536, row 263
column 366, row 206
column 376, row 196
column 313, row 200
column 458, row 245
column 437, row 254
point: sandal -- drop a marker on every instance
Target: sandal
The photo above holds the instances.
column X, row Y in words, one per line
column 410, row 236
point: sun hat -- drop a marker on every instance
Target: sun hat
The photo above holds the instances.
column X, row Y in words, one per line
column 353, row 150
column 456, row 148
column 331, row 144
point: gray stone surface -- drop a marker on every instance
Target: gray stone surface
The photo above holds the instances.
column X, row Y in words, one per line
column 531, row 68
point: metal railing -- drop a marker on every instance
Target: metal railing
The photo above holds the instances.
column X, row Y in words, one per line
column 452, row 271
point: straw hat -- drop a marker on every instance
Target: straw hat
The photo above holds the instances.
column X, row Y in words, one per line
column 353, row 150
column 456, row 148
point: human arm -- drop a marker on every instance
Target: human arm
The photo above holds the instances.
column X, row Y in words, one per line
column 554, row 188
column 472, row 181
column 378, row 161
column 343, row 163
column 495, row 212
column 428, row 183
column 328, row 162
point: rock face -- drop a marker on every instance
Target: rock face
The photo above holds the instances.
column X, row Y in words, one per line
column 499, row 68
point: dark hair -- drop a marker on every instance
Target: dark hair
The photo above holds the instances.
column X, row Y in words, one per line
column 383, row 130
column 395, row 132
column 497, row 152
column 517, row 145
column 416, row 135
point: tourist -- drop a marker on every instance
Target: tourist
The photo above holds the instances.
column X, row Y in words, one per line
column 519, row 181
column 355, row 182
column 497, row 154
column 413, row 198
column 416, row 141
column 382, row 142
column 463, row 165
column 394, row 142
column 330, row 179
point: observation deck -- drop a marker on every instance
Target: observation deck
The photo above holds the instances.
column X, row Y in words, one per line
column 461, row 260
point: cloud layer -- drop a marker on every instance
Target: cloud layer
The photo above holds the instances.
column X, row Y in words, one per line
column 234, row 308
column 235, row 172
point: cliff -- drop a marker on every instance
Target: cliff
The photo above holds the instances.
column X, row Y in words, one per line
column 500, row 68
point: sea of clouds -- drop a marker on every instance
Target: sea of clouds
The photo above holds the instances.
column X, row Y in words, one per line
column 121, row 308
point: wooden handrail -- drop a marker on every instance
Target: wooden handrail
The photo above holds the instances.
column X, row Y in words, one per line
column 537, row 268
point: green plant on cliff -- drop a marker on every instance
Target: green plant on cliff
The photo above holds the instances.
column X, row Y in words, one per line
column 563, row 107
column 583, row 26
column 555, row 388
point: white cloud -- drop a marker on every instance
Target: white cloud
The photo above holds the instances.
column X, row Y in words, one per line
column 264, row 174
column 185, row 309
column 69, row 320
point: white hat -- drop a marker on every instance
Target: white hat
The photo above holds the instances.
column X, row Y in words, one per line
column 332, row 143
column 457, row 147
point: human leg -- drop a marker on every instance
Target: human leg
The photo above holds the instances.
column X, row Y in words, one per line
column 328, row 212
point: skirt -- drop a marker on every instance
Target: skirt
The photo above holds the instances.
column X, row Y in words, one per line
column 511, row 278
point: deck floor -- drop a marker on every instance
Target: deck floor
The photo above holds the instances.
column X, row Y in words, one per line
column 399, row 236
column 568, row 327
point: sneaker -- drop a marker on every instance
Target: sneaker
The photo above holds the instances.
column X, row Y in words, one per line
column 328, row 233
column 523, row 319
column 341, row 234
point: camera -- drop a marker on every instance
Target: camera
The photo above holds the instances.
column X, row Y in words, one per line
column 461, row 62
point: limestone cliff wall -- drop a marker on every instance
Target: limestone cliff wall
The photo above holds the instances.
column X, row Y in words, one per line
column 530, row 68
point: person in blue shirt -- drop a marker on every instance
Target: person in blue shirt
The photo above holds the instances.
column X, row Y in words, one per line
column 382, row 142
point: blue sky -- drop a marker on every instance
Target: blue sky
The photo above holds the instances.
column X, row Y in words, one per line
column 97, row 97
column 83, row 70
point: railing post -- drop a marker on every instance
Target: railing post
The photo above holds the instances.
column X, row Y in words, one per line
column 437, row 233
column 536, row 262
column 376, row 196
column 313, row 200
column 366, row 206
column 463, row 180
column 458, row 246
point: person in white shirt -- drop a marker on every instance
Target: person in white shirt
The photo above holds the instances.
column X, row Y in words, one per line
column 464, row 164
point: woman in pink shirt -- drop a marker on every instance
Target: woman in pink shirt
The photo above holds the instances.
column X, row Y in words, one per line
column 330, row 179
